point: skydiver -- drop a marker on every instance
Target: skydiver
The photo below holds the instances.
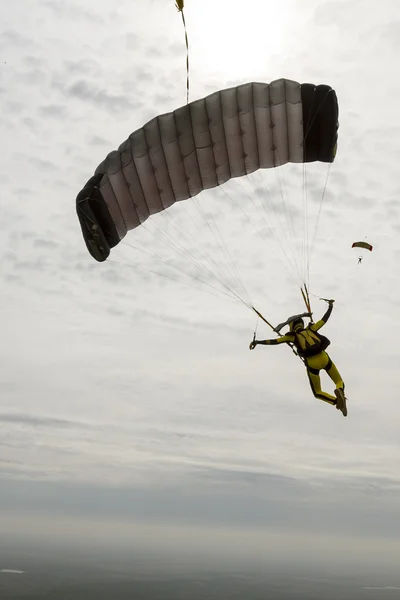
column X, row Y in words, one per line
column 311, row 347
column 360, row 260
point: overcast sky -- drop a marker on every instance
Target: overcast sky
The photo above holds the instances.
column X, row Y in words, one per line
column 136, row 394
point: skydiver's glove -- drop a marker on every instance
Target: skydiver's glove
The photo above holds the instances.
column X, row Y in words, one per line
column 331, row 301
column 253, row 344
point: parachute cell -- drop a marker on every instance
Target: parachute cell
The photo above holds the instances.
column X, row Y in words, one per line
column 228, row 134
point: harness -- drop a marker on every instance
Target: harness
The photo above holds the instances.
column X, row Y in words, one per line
column 309, row 342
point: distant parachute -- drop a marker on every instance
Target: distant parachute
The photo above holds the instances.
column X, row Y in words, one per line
column 362, row 245
column 228, row 134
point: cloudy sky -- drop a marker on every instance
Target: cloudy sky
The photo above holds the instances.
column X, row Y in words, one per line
column 125, row 391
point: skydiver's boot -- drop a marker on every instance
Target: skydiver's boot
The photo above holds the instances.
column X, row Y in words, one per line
column 341, row 401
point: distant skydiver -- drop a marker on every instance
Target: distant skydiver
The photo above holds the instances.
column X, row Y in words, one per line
column 364, row 245
column 311, row 347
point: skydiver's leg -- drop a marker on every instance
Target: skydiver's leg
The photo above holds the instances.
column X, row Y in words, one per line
column 334, row 374
column 315, row 384
column 339, row 391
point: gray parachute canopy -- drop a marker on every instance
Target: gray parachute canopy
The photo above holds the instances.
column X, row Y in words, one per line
column 201, row 145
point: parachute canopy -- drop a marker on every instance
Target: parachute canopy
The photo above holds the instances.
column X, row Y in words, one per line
column 362, row 245
column 228, row 134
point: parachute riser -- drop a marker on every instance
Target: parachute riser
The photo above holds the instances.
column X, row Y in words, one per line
column 291, row 346
column 263, row 318
column 306, row 298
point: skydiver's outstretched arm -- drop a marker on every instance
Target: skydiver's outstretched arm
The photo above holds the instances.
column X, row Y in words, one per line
column 323, row 320
column 284, row 339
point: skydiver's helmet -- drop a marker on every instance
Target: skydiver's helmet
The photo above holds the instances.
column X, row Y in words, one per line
column 296, row 326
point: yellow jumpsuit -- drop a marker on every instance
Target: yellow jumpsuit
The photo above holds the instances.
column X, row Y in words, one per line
column 303, row 341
